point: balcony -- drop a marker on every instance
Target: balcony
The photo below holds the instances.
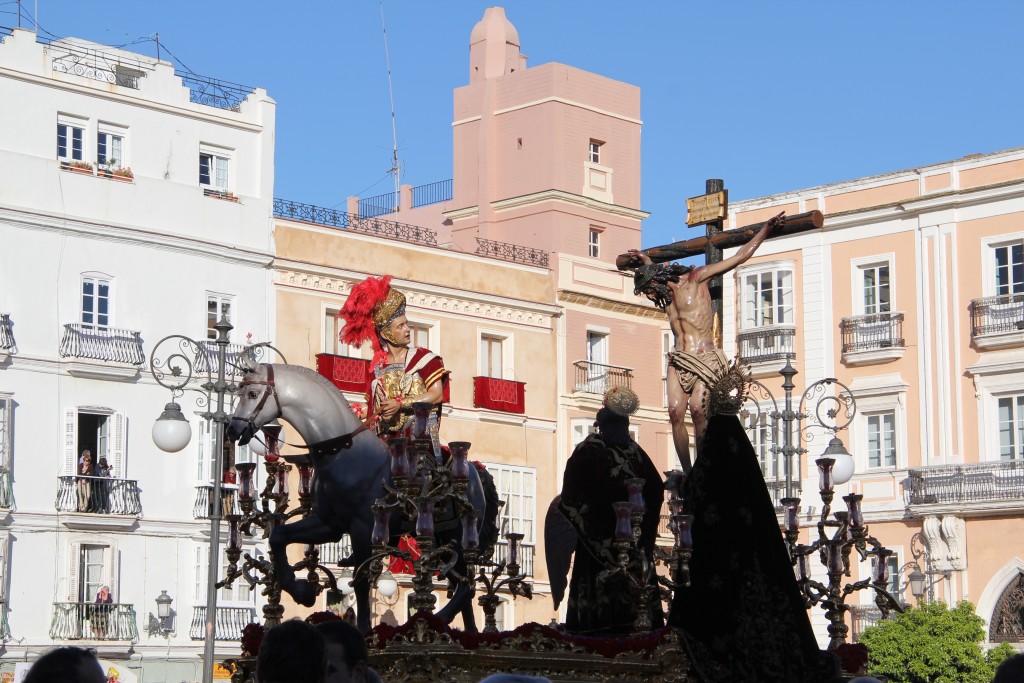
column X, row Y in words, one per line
column 967, row 487
column 204, row 495
column 228, row 624
column 88, row 621
column 596, row 378
column 331, row 554
column 765, row 349
column 346, row 373
column 98, row 502
column 432, row 193
column 499, row 394
column 206, row 358
column 525, row 556
column 378, row 227
column 997, row 322
column 6, row 490
column 5, row 628
column 862, row 617
column 7, row 345
column 512, row 252
column 119, row 352
column 871, row 339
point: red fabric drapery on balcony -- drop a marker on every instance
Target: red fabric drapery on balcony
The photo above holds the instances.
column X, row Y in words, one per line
column 348, row 374
column 499, row 394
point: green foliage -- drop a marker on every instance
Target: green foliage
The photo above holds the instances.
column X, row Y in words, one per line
column 933, row 644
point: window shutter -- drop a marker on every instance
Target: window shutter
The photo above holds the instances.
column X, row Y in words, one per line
column 74, row 562
column 70, row 441
column 4, row 541
column 110, row 571
column 5, row 432
column 118, row 462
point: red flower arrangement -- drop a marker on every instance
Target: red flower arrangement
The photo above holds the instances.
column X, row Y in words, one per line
column 321, row 617
column 252, row 638
column 853, row 657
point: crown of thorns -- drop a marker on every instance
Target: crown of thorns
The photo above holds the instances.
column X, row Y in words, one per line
column 621, row 401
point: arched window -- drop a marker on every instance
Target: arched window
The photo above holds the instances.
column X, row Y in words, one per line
column 1007, row 623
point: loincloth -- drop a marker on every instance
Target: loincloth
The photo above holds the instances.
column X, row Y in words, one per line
column 727, row 385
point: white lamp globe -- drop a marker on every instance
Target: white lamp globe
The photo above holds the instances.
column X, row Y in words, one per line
column 345, row 582
column 386, row 584
column 171, row 431
column 256, row 446
column 842, row 471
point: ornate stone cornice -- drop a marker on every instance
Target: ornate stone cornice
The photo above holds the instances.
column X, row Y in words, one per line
column 435, row 299
column 535, row 198
column 649, row 312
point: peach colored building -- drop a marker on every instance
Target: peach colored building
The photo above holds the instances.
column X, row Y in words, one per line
column 913, row 296
column 509, row 270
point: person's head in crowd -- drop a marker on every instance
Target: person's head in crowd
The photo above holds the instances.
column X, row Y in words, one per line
column 346, row 652
column 514, row 678
column 1011, row 670
column 292, row 652
column 66, row 665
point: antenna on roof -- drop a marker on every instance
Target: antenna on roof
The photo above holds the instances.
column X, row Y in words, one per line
column 396, row 166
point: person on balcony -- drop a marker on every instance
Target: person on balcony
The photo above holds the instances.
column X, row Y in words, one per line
column 100, row 614
column 83, row 481
column 400, row 374
column 101, row 486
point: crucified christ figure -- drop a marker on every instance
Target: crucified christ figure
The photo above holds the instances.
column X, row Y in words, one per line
column 696, row 363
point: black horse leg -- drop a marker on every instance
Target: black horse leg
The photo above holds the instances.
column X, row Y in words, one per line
column 307, row 530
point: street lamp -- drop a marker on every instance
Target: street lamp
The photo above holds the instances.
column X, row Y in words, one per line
column 171, row 433
column 916, row 579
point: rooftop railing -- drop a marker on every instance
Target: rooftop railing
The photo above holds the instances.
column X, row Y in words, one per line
column 379, row 227
column 432, row 193
column 98, row 65
column 980, row 482
column 597, row 378
column 228, row 623
column 7, row 343
column 764, row 344
column 99, row 495
column 102, row 343
column 214, row 92
column 379, row 205
column 89, row 621
column 997, row 314
column 512, row 252
column 872, row 332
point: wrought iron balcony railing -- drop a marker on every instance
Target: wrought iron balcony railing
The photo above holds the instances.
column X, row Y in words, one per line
column 526, row 552
column 596, row 378
column 997, row 315
column 862, row 617
column 6, row 490
column 432, row 193
column 97, row 65
column 333, row 553
column 378, row 206
column 379, row 227
column 207, row 354
column 214, row 92
column 204, row 495
column 99, row 495
column 981, row 482
column 512, row 252
column 764, row 344
column 228, row 624
column 89, row 621
column 102, row 343
column 871, row 332
column 5, row 628
column 7, row 334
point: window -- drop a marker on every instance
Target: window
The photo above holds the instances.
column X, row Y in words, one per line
column 237, row 592
column 419, row 335
column 91, row 567
column 892, row 572
column 233, row 453
column 218, row 305
column 758, row 425
column 768, row 298
column 5, row 432
column 581, row 428
column 597, row 347
column 110, row 149
column 1011, row 427
column 881, row 429
column 95, row 302
column 517, row 486
column 100, row 431
column 70, row 140
column 875, row 288
column 490, row 356
column 595, row 243
column 213, row 169
column 595, row 151
column 1008, row 261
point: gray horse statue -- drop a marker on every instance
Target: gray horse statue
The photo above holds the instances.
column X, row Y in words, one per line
column 350, row 465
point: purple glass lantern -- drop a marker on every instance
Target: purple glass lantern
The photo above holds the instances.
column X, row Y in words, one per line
column 880, row 572
column 470, row 531
column 513, row 548
column 398, row 448
column 246, row 485
column 272, row 439
column 623, row 521
column 305, row 481
column 825, row 474
column 281, row 488
column 425, row 516
column 460, row 459
column 835, row 558
column 683, row 531
column 853, row 507
column 635, row 491
column 421, row 410
column 234, row 532
column 802, row 570
column 791, row 512
column 381, row 525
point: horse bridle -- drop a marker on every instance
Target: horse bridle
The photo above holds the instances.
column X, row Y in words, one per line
column 320, row 447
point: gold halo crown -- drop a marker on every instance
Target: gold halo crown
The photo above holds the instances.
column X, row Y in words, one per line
column 392, row 306
column 621, row 401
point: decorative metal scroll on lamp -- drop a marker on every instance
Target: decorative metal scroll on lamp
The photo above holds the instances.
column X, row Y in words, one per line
column 419, row 486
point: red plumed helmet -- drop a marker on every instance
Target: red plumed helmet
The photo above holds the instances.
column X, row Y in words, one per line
column 358, row 311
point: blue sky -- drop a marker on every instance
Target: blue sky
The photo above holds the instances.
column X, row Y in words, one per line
column 771, row 95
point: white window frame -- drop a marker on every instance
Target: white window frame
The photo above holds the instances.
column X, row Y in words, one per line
column 525, row 521
column 433, row 328
column 772, row 467
column 6, row 422
column 594, row 242
column 330, row 325
column 594, row 150
column 989, row 260
column 879, row 417
column 117, row 430
column 96, row 278
column 112, row 130
column 77, row 123
column 582, row 427
column 205, row 452
column 216, row 153
column 220, row 299
column 858, row 268
column 873, row 402
column 111, row 566
column 1015, row 398
column 508, row 352
column 227, row 596
column 775, row 268
column 5, row 545
column 895, row 562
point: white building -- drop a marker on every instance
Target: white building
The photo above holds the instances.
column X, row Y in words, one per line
column 97, row 264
